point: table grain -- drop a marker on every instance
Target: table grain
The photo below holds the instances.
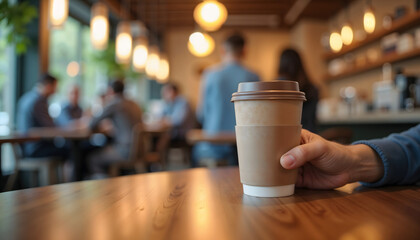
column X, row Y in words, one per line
column 205, row 204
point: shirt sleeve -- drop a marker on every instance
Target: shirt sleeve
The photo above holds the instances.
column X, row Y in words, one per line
column 179, row 113
column 400, row 154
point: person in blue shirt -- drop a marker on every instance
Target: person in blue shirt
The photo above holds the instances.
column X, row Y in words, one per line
column 177, row 112
column 394, row 160
column 71, row 110
column 216, row 112
column 33, row 113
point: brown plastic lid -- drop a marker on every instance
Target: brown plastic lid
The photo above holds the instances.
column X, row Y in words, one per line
column 275, row 90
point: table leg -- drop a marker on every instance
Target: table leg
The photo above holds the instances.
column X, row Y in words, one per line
column 77, row 174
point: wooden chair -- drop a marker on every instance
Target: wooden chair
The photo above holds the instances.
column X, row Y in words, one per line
column 50, row 170
column 136, row 154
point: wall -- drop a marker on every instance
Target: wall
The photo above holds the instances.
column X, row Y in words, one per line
column 263, row 47
column 363, row 82
column 306, row 37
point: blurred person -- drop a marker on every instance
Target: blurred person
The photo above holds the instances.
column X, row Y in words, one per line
column 177, row 112
column 394, row 160
column 33, row 113
column 291, row 68
column 71, row 110
column 216, row 113
column 124, row 114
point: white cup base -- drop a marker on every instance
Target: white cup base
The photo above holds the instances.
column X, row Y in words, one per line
column 275, row 191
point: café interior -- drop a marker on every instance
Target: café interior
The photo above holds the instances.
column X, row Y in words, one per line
column 103, row 97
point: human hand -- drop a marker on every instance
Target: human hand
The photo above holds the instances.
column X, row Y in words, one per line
column 325, row 165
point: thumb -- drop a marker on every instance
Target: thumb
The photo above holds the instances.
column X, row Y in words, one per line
column 301, row 154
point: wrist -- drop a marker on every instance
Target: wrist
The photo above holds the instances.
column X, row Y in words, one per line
column 367, row 165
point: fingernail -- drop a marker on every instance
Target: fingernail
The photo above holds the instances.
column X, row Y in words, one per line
column 287, row 161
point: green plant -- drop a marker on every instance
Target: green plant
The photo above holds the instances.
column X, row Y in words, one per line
column 106, row 59
column 16, row 18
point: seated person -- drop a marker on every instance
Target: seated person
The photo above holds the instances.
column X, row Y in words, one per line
column 71, row 110
column 394, row 160
column 124, row 114
column 33, row 113
column 177, row 112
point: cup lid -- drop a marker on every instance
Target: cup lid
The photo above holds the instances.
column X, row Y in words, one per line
column 274, row 90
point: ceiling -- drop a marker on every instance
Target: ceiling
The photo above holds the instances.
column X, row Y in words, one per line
column 164, row 14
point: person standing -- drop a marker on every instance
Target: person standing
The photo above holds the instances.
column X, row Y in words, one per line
column 291, row 68
column 216, row 112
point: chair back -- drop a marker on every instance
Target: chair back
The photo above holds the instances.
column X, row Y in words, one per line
column 137, row 143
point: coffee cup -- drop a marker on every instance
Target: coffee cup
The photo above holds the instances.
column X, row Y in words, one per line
column 268, row 116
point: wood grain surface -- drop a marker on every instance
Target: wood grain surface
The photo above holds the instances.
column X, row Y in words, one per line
column 205, row 204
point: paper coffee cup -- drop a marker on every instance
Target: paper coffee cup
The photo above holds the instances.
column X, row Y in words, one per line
column 268, row 116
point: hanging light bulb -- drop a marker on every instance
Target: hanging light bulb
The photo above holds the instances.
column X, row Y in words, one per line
column 210, row 15
column 140, row 53
column 58, row 11
column 335, row 41
column 163, row 72
column 153, row 62
column 369, row 20
column 347, row 34
column 200, row 44
column 123, row 43
column 99, row 26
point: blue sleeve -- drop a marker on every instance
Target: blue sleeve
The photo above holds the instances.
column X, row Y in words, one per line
column 400, row 154
column 201, row 108
column 179, row 113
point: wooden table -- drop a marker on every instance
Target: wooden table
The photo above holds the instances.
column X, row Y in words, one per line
column 205, row 204
column 198, row 135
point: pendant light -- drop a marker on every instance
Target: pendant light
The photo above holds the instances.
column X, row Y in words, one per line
column 140, row 53
column 347, row 34
column 163, row 72
column 99, row 26
column 336, row 42
column 200, row 44
column 153, row 62
column 210, row 15
column 58, row 11
column 369, row 20
column 124, row 41
column 346, row 30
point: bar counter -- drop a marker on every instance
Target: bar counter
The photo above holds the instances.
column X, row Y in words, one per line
column 205, row 204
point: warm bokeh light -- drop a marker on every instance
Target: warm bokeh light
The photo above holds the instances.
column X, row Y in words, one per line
column 153, row 62
column 99, row 26
column 163, row 72
column 335, row 41
column 140, row 53
column 369, row 21
column 73, row 69
column 347, row 34
column 210, row 15
column 123, row 43
column 200, row 44
column 58, row 12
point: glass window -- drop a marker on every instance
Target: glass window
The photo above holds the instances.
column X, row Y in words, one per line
column 71, row 62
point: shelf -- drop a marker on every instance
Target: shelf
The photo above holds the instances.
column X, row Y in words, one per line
column 375, row 118
column 389, row 58
column 402, row 24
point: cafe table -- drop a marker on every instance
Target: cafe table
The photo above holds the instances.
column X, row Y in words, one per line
column 205, row 204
